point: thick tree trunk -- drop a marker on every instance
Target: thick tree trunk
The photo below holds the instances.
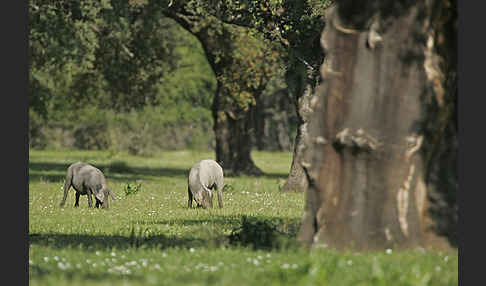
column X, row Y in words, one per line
column 367, row 153
column 231, row 128
column 301, row 83
column 233, row 134
column 297, row 180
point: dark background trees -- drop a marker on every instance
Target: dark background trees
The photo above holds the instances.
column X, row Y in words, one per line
column 131, row 50
column 123, row 63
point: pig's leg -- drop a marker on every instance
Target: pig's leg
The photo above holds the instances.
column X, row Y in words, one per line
column 90, row 200
column 219, row 189
column 67, row 185
column 76, row 202
column 189, row 201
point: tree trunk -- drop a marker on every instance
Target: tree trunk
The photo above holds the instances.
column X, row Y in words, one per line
column 231, row 128
column 233, row 133
column 370, row 140
column 301, row 82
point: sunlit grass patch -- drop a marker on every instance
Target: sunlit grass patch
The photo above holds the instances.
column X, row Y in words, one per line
column 152, row 238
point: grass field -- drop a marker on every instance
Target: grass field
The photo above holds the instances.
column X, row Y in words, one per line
column 151, row 238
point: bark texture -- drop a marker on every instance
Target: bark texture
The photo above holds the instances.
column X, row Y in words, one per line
column 380, row 122
column 302, row 82
column 233, row 133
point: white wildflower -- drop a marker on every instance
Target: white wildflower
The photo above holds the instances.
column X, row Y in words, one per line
column 388, row 251
column 120, row 269
column 285, row 266
column 63, row 266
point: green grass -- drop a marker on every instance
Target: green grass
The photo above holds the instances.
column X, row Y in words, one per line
column 150, row 237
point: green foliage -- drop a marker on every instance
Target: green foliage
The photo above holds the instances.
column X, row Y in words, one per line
column 132, row 190
column 139, row 48
column 120, row 57
column 241, row 65
column 157, row 99
column 62, row 45
column 114, row 55
column 263, row 234
column 254, row 62
column 129, row 62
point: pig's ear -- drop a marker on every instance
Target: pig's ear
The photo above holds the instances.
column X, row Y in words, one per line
column 99, row 193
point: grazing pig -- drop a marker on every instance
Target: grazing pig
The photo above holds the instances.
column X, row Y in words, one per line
column 204, row 177
column 87, row 180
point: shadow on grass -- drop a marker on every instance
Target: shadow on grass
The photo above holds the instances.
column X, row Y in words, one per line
column 255, row 232
column 117, row 170
column 265, row 175
column 214, row 220
column 99, row 242
column 287, row 224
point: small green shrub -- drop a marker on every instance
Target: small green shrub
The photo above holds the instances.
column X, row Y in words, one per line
column 131, row 190
column 261, row 233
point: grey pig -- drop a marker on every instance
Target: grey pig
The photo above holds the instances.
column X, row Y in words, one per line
column 204, row 176
column 87, row 180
